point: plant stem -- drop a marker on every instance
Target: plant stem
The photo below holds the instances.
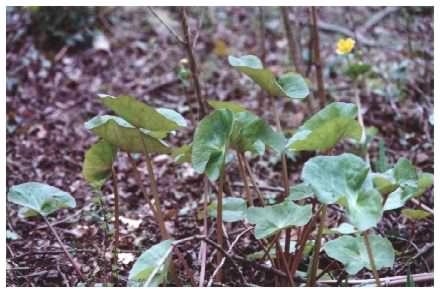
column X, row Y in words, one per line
column 244, row 178
column 317, row 56
column 371, row 258
column 192, row 62
column 116, row 236
column 151, row 176
column 315, row 260
column 63, row 247
column 219, row 223
column 253, row 181
column 285, row 175
column 361, row 119
column 141, row 185
column 292, row 41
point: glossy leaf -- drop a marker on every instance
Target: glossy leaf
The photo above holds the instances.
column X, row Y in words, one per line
column 98, row 161
column 272, row 219
column 290, row 85
column 40, row 198
column 143, row 116
column 326, row 128
column 211, row 142
column 344, row 179
column 234, row 209
column 352, row 252
column 152, row 266
column 125, row 136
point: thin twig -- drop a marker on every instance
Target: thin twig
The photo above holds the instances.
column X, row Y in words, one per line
column 317, row 56
column 170, row 29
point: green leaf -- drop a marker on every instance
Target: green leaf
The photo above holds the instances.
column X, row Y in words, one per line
column 41, row 198
column 211, row 142
column 324, row 129
column 382, row 165
column 182, row 154
column 234, row 209
column 272, row 219
column 290, row 85
column 152, row 266
column 415, row 214
column 143, row 116
column 409, row 184
column 352, row 252
column 125, row 136
column 231, row 106
column 249, row 130
column 344, row 179
column 300, row 191
column 357, row 69
column 98, row 161
column 344, row 228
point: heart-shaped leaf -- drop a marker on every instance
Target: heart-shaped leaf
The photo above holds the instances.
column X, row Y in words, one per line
column 40, row 198
column 234, row 209
column 290, row 85
column 98, row 161
column 324, row 129
column 125, row 136
column 143, row 116
column 211, row 142
column 344, row 179
column 352, row 252
column 151, row 268
column 272, row 219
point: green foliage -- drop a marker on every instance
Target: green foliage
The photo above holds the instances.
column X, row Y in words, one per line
column 272, row 219
column 382, row 165
column 415, row 214
column 182, row 154
column 231, row 106
column 343, row 179
column 356, row 70
column 211, row 142
column 324, row 129
column 300, row 191
column 125, row 136
column 98, row 161
column 234, row 209
column 352, row 252
column 40, row 198
column 151, row 268
column 402, row 183
column 290, row 85
column 140, row 115
column 344, row 228
column 224, row 129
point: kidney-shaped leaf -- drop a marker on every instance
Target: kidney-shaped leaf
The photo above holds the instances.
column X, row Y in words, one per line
column 234, row 209
column 324, row 129
column 152, row 266
column 343, row 179
column 41, row 198
column 125, row 136
column 272, row 219
column 300, row 191
column 211, row 142
column 98, row 161
column 290, row 85
column 143, row 116
column 353, row 254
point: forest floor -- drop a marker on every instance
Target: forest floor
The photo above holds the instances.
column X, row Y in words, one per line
column 51, row 95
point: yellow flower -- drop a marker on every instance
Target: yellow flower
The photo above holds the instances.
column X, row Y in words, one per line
column 345, row 46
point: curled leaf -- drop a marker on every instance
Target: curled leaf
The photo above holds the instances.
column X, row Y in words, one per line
column 98, row 161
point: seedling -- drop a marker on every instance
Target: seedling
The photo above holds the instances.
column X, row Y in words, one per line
column 43, row 200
